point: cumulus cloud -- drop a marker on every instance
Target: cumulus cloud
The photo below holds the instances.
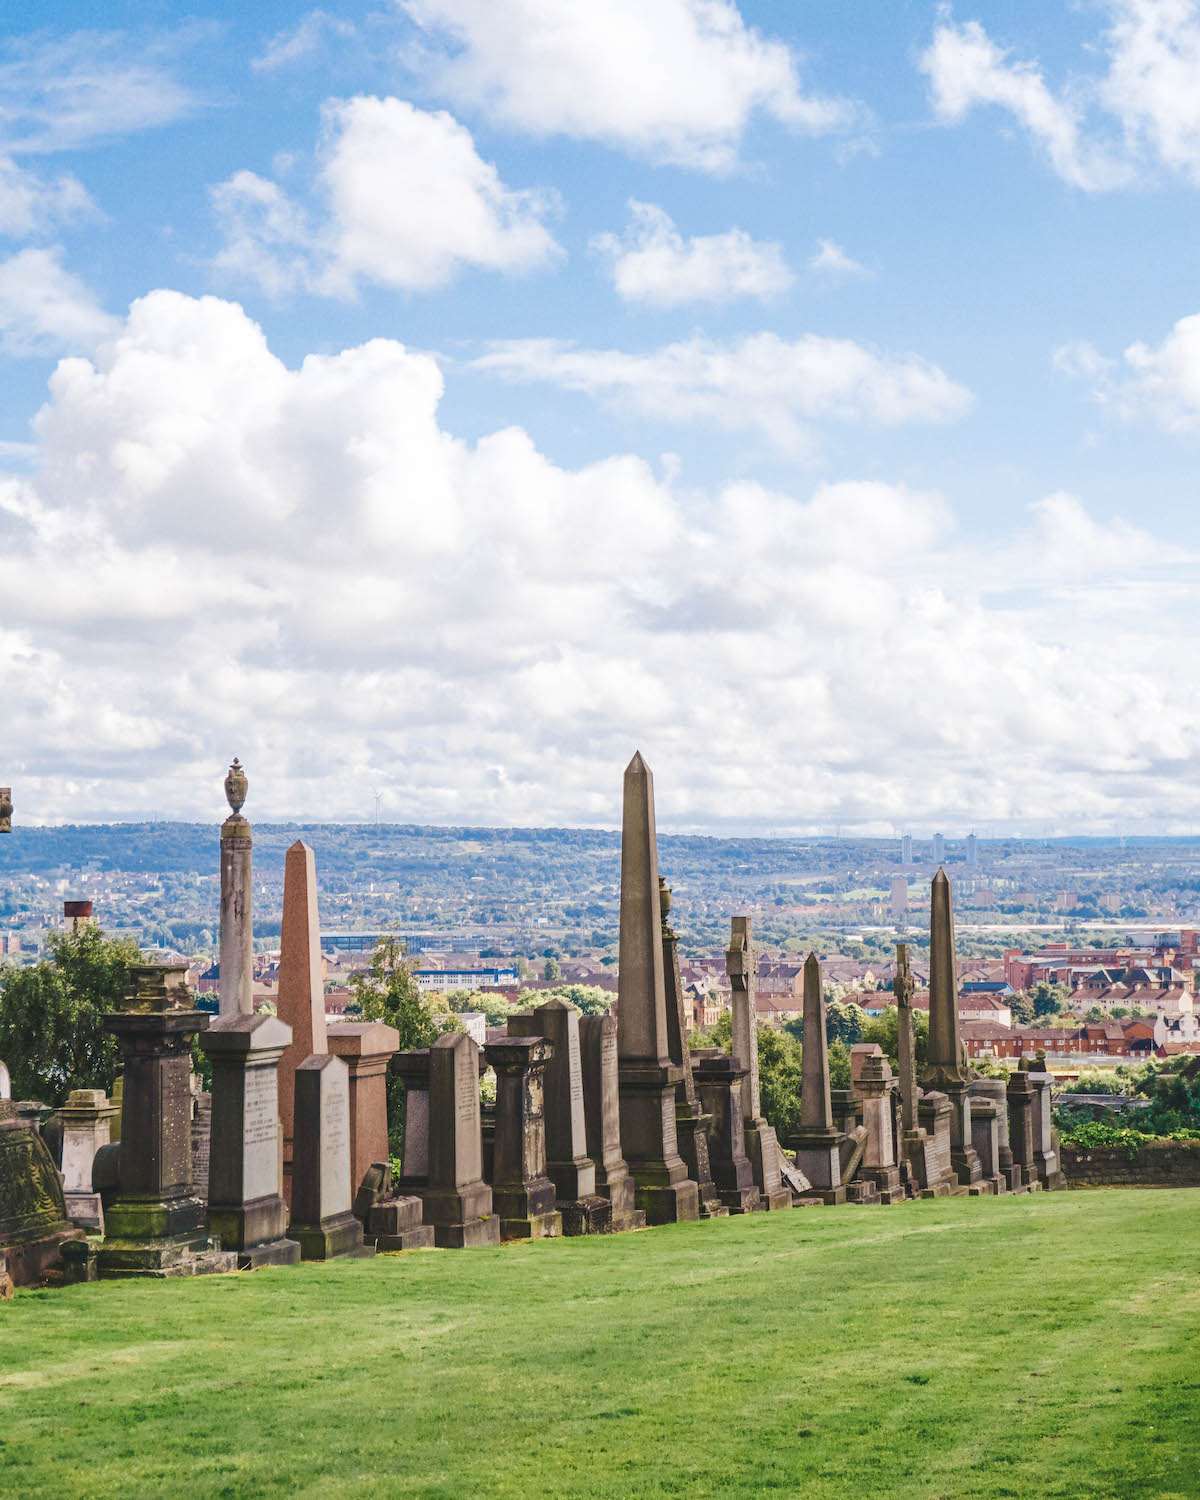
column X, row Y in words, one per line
column 44, row 309
column 1097, row 131
column 673, row 80
column 1160, row 382
column 762, row 383
column 652, row 263
column 216, row 553
column 31, row 204
column 301, row 41
column 406, row 201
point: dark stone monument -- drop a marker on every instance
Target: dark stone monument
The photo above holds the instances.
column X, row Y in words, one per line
column 719, row 1082
column 322, row 1216
column 762, row 1147
column 569, row 1167
column 985, row 1137
column 413, row 1068
column 602, row 1119
column 996, row 1090
column 691, row 1122
column 875, row 1087
column 33, row 1216
column 1045, row 1153
column 156, row 1226
column 937, row 1177
column 522, row 1194
column 1020, row 1128
column 647, row 1077
column 458, row 1203
column 818, row 1142
column 946, row 1069
column 390, row 1221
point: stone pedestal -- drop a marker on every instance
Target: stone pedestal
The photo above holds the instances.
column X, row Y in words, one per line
column 876, row 1088
column 602, row 1119
column 719, row 1084
column 985, row 1137
column 1045, row 1154
column 1020, row 1129
column 245, row 1208
column 962, row 1153
column 996, row 1090
column 568, row 1165
column 523, row 1196
column 413, row 1069
column 390, row 1221
column 87, row 1124
column 458, row 1203
column 366, row 1047
column 741, row 965
column 928, row 1149
column 818, row 1143
column 946, row 1069
column 33, row 1216
column 647, row 1079
column 155, row 1225
column 322, row 1220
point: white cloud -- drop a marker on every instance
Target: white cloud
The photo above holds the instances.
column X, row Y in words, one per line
column 287, row 47
column 764, row 383
column 44, row 309
column 1098, row 131
column 674, row 80
column 408, row 202
column 654, row 264
column 217, row 554
column 831, row 259
column 1159, row 382
column 30, row 205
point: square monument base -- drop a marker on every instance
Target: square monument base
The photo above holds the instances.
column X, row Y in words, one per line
column 591, row 1214
column 538, row 1227
column 186, row 1255
column 331, row 1238
column 668, row 1203
column 270, row 1253
column 420, row 1238
column 468, row 1234
column 777, row 1198
column 85, row 1209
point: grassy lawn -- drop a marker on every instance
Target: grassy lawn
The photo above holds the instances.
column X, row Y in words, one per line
column 1045, row 1346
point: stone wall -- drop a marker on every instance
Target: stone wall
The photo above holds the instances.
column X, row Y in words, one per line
column 1156, row 1164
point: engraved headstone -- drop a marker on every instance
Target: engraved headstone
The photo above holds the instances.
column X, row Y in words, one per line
column 366, row 1047
column 322, row 1220
column 86, row 1127
column 458, row 1203
column 1020, row 1128
column 568, row 1165
column 413, row 1070
column 1045, row 1156
column 875, row 1087
column 602, row 1119
column 996, row 1090
column 719, row 1082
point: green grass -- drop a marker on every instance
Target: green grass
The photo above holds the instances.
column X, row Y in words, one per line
column 1044, row 1346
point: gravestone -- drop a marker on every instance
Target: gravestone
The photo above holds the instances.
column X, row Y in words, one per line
column 322, row 1220
column 301, row 1000
column 875, row 1087
column 1045, row 1156
column 602, row 1119
column 818, row 1142
column 33, row 1216
column 946, row 1066
column 719, row 1083
column 985, row 1137
column 647, row 1078
column 86, row 1126
column 691, row 1122
column 245, row 1206
column 458, row 1203
column 390, row 1221
column 1020, row 1128
column 201, row 1141
column 933, row 1164
column 523, row 1196
column 413, row 1070
column 155, row 1225
column 569, row 1167
column 366, row 1047
column 996, row 1090
column 762, row 1147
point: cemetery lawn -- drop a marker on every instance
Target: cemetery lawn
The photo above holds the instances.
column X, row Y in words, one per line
column 1032, row 1347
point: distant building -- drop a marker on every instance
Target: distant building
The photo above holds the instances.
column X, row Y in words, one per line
column 906, row 849
column 899, row 897
column 464, row 979
column 972, row 851
column 939, row 849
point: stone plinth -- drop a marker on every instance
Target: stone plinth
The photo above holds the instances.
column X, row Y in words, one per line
column 719, row 1084
column 762, row 1147
column 876, row 1088
column 602, row 1119
column 86, row 1126
column 322, row 1220
column 930, row 1152
column 1020, row 1096
column 201, row 1141
column 647, row 1079
column 33, row 1216
column 245, row 1208
column 301, row 1000
column 568, row 1165
column 1045, row 1154
column 946, row 1067
column 523, row 1196
column 413, row 1070
column 390, row 1221
column 366, row 1047
column 458, row 1203
column 818, row 1144
column 996, row 1090
column 155, row 1225
column 985, row 1137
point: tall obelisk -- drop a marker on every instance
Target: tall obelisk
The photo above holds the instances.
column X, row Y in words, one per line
column 301, row 987
column 647, row 1077
column 818, row 1143
column 946, row 1068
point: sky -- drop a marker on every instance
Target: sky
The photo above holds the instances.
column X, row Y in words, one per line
column 446, row 398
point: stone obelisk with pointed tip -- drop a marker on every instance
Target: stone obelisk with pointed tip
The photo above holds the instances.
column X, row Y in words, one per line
column 762, row 1147
column 946, row 1068
column 301, row 988
column 647, row 1076
column 818, row 1150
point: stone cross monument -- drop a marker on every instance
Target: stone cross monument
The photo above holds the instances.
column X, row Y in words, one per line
column 647, row 1076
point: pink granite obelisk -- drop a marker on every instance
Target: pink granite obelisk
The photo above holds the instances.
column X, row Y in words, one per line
column 301, row 988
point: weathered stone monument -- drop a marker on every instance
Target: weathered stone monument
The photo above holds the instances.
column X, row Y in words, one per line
column 875, row 1088
column 719, row 1083
column 926, row 1154
column 155, row 1224
column 523, row 1196
column 6, row 809
column 602, row 1119
column 301, row 1000
column 86, row 1125
column 366, row 1047
column 458, row 1203
column 946, row 1066
column 762, row 1147
column 990, row 1131
column 245, row 1207
column 390, row 1221
column 647, row 1077
column 818, row 1142
column 1045, row 1155
column 413, row 1069
column 691, row 1122
column 569, row 1167
column 322, row 1218
column 33, row 1216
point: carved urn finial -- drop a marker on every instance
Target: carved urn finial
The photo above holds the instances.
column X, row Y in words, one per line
column 6, row 809
column 236, row 785
column 664, row 899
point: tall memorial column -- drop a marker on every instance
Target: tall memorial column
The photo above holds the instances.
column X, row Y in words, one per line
column 301, row 988
column 819, row 1142
column 647, row 1077
column 946, row 1068
column 741, row 964
column 244, row 1203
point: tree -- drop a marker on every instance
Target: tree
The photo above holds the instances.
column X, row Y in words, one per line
column 779, row 1079
column 884, row 1030
column 1048, row 999
column 52, row 1032
column 844, row 1021
column 551, row 970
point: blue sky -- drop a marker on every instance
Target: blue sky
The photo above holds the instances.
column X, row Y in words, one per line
column 451, row 396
